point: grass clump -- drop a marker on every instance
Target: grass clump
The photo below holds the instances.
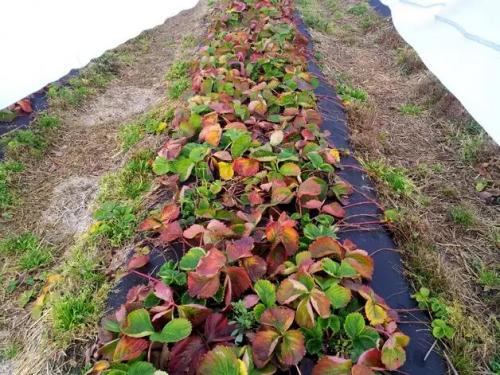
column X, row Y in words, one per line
column 358, row 9
column 131, row 134
column 7, row 171
column 115, row 221
column 462, row 216
column 471, row 147
column 189, row 41
column 349, row 94
column 179, row 69
column 14, row 245
column 489, row 278
column 24, row 141
column 33, row 254
column 396, row 178
column 177, row 88
column 46, row 121
column 130, row 181
column 72, row 311
column 35, row 257
column 312, row 18
column 408, row 60
column 178, row 79
column 411, row 109
column 10, row 351
column 95, row 76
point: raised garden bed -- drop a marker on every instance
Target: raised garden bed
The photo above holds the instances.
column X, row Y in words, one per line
column 254, row 263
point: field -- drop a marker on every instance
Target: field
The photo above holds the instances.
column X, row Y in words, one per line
column 180, row 204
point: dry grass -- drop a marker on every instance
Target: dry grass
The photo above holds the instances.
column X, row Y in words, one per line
column 444, row 158
column 81, row 151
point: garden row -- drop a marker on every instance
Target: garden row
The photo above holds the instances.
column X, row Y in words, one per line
column 263, row 281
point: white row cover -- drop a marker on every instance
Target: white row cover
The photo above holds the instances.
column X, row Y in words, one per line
column 40, row 41
column 459, row 41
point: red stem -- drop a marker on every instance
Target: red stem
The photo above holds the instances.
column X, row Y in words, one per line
column 148, row 277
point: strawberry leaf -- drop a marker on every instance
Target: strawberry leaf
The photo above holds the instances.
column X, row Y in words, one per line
column 221, row 360
column 329, row 365
column 292, row 348
column 326, row 246
column 129, row 348
column 138, row 324
column 174, row 331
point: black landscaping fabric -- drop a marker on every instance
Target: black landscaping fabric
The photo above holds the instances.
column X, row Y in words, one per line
column 388, row 279
column 39, row 102
column 380, row 8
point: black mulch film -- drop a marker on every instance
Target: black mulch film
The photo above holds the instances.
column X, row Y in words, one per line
column 380, row 8
column 39, row 102
column 388, row 279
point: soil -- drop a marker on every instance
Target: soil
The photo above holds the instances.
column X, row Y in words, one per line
column 369, row 60
column 58, row 189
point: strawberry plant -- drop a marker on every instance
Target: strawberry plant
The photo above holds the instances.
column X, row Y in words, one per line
column 256, row 207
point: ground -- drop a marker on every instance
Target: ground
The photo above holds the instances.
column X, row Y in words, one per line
column 57, row 190
column 433, row 164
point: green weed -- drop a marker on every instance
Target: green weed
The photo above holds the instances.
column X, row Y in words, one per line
column 348, row 93
column 45, row 121
column 312, row 18
column 130, row 181
column 367, row 21
column 14, row 245
column 178, row 87
column 95, row 76
column 10, row 351
column 358, row 9
column 33, row 253
column 489, row 278
column 462, row 216
column 396, row 178
column 7, row 171
column 115, row 221
column 72, row 311
column 130, row 135
column 24, row 141
column 411, row 109
column 471, row 147
column 35, row 257
column 179, row 69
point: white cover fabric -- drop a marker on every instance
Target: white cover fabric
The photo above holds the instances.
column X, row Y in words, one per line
column 459, row 41
column 40, row 41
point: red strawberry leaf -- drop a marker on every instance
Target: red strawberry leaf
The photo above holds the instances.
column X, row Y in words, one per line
column 292, row 348
column 201, row 286
column 129, row 348
column 334, row 209
column 326, row 246
column 212, row 263
column 280, row 318
column 185, row 355
column 238, row 249
column 218, row 329
column 263, row 345
column 328, row 365
column 246, row 167
column 138, row 261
